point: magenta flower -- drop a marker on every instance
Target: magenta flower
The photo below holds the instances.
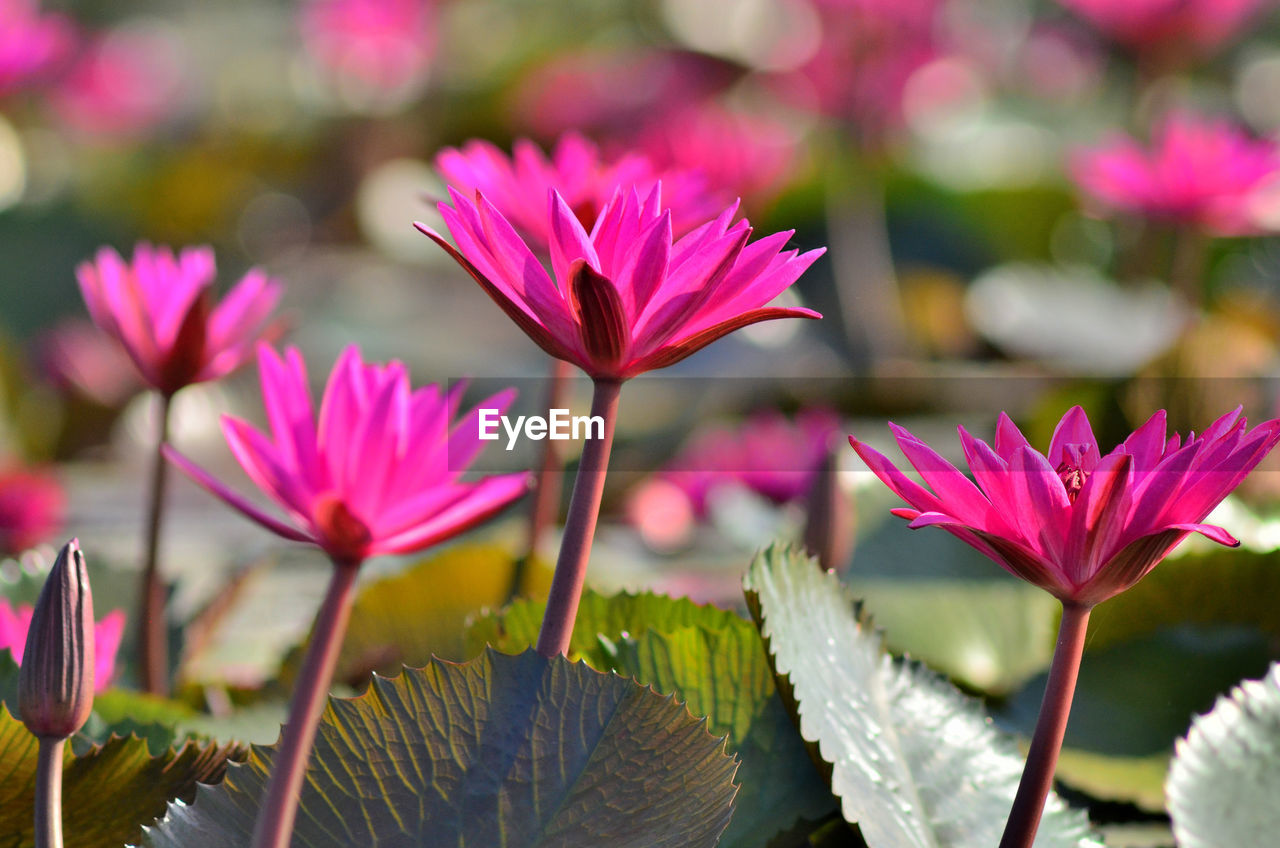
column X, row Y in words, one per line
column 1197, row 173
column 14, row 624
column 160, row 308
column 518, row 184
column 1080, row 525
column 120, row 84
column 381, row 47
column 377, row 473
column 741, row 154
column 772, row 456
column 32, row 507
column 30, row 43
column 1201, row 25
column 626, row 298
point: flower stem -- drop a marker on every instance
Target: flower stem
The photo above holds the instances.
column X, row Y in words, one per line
column 152, row 634
column 274, row 827
column 1046, row 742
column 48, row 805
column 547, row 484
column 580, row 526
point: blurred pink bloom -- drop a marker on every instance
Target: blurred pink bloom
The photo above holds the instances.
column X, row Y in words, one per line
column 772, row 456
column 377, row 473
column 1197, row 172
column 75, row 355
column 868, row 51
column 743, row 155
column 518, row 184
column 384, row 46
column 1200, row 25
column 160, row 308
column 32, row 508
column 1080, row 525
column 612, row 93
column 14, row 624
column 30, row 43
column 625, row 299
column 121, row 84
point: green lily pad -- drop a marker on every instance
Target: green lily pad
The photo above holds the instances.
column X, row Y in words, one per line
column 501, row 751
column 614, row 616
column 1225, row 778
column 913, row 761
column 108, row 792
column 989, row 635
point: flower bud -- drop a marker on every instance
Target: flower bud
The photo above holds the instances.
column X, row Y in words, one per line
column 55, row 684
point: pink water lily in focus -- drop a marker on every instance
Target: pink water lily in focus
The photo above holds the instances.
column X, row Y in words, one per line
column 1199, row 25
column 32, row 508
column 1197, row 172
column 160, row 307
column 518, row 184
column 107, row 633
column 31, row 43
column 1081, row 525
column 376, row 472
column 626, row 298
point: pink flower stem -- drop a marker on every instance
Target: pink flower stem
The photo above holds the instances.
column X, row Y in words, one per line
column 548, row 483
column 580, row 526
column 152, row 634
column 1046, row 742
column 48, row 805
column 274, row 827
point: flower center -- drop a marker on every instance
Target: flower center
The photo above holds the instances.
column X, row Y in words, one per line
column 345, row 536
column 1072, row 471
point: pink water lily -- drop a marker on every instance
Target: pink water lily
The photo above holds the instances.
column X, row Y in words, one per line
column 1202, row 25
column 30, row 43
column 378, row 472
column 1197, row 172
column 160, row 308
column 626, row 298
column 1078, row 524
column 518, row 184
column 107, row 633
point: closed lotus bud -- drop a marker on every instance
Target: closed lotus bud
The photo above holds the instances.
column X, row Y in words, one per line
column 55, row 685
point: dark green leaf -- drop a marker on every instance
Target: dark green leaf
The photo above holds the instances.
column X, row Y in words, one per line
column 501, row 751
column 108, row 792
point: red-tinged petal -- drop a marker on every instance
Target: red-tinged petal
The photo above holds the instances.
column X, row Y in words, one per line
column 934, row 519
column 342, row 533
column 673, row 353
column 1129, row 566
column 1008, row 438
column 905, row 512
column 962, row 498
column 260, row 461
column 532, row 327
column 1045, row 513
column 1099, row 517
column 1153, row 494
column 236, row 501
column 645, row 267
column 487, row 498
column 1212, row 532
column 1223, row 424
column 1072, row 429
column 510, row 252
column 785, row 270
column 186, row 355
column 602, row 320
column 920, row 498
column 245, row 311
column 991, row 473
column 1146, row 444
column 569, row 241
column 1023, row 562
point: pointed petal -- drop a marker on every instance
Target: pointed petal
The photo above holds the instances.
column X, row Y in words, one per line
column 678, row 350
column 236, row 501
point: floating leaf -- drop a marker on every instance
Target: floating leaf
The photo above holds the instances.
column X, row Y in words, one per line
column 914, row 762
column 613, row 616
column 1225, row 776
column 499, row 751
column 1132, row 780
column 421, row 612
column 990, row 635
column 108, row 792
column 725, row 675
